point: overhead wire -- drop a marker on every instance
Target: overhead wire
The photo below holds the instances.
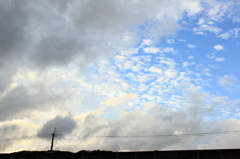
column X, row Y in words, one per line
column 135, row 136
column 167, row 135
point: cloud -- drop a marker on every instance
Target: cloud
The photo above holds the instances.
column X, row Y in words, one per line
column 191, row 46
column 211, row 55
column 170, row 41
column 186, row 64
column 22, row 99
column 191, row 57
column 146, row 42
column 229, row 83
column 171, row 73
column 219, row 59
column 152, row 50
column 207, row 28
column 114, row 101
column 193, row 7
column 64, row 126
column 206, row 72
column 201, row 21
column 168, row 61
column 182, row 40
column 223, row 141
column 136, row 123
column 106, row 65
column 6, row 72
column 218, row 11
column 6, row 132
column 218, row 47
column 168, row 49
column 34, row 37
column 233, row 32
column 156, row 70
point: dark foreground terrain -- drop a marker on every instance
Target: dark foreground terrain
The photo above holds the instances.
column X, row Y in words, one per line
column 178, row 154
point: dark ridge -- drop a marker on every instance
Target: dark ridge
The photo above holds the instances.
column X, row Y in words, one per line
column 102, row 154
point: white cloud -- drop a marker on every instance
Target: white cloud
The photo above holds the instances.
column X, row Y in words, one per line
column 225, row 35
column 206, row 72
column 200, row 33
column 128, row 51
column 218, row 47
column 152, row 50
column 137, row 68
column 211, row 55
column 201, row 21
column 229, row 83
column 185, row 64
column 120, row 58
column 233, row 32
column 170, row 41
column 192, row 7
column 168, row 61
column 219, row 10
column 219, row 59
column 171, row 73
column 168, row 49
column 142, row 78
column 142, row 87
column 155, row 69
column 191, row 46
column 128, row 64
column 182, row 40
column 191, row 57
column 207, row 28
column 147, row 42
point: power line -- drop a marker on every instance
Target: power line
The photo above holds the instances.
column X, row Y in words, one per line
column 137, row 136
column 167, row 135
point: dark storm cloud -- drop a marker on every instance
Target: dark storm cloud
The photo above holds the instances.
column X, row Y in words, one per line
column 64, row 125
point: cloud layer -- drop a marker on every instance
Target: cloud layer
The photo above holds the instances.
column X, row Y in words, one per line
column 118, row 68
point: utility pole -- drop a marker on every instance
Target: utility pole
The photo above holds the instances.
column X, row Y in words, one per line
column 53, row 135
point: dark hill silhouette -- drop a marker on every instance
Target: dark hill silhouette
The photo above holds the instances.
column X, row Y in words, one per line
column 97, row 154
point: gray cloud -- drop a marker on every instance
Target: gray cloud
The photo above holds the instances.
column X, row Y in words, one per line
column 6, row 74
column 54, row 32
column 14, row 18
column 64, row 125
column 49, row 33
column 6, row 133
column 159, row 120
column 21, row 100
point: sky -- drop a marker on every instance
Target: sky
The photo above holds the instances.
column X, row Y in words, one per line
column 119, row 75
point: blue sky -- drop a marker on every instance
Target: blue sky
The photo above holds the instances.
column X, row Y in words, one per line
column 111, row 68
